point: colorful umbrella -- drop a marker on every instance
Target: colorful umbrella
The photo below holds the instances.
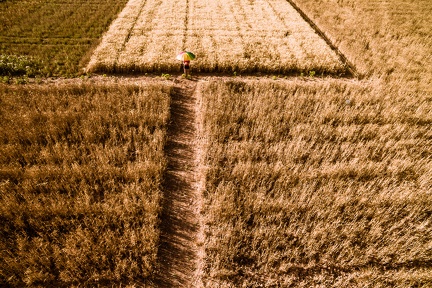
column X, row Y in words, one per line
column 185, row 56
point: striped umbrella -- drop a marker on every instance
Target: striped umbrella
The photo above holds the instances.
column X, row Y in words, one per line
column 185, row 56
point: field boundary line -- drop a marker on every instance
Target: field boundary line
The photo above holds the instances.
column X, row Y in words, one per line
column 201, row 170
column 349, row 66
column 186, row 23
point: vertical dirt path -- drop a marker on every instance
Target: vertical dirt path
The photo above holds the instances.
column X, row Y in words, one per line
column 180, row 251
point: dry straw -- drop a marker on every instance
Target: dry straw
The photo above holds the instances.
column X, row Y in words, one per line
column 80, row 183
column 306, row 189
column 234, row 35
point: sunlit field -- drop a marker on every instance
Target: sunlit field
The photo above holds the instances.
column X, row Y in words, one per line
column 80, row 174
column 317, row 184
column 227, row 36
column 327, row 183
column 390, row 39
column 310, row 179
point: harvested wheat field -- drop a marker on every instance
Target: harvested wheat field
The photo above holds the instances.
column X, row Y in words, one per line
column 227, row 36
column 297, row 155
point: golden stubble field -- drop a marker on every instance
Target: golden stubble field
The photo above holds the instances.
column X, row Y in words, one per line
column 309, row 182
column 227, row 36
column 389, row 39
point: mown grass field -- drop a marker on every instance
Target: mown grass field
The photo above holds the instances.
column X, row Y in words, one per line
column 54, row 37
column 81, row 168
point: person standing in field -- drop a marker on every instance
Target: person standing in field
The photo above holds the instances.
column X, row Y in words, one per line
column 186, row 67
column 186, row 57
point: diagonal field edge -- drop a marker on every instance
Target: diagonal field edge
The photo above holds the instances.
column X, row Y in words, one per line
column 348, row 65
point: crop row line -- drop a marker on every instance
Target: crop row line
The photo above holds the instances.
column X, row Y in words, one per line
column 50, row 40
column 130, row 30
column 186, row 25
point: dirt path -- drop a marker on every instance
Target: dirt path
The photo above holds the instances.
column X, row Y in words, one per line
column 181, row 252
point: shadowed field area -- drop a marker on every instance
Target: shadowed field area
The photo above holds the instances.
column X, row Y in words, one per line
column 51, row 38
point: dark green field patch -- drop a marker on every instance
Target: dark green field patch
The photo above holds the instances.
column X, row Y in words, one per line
column 56, row 35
